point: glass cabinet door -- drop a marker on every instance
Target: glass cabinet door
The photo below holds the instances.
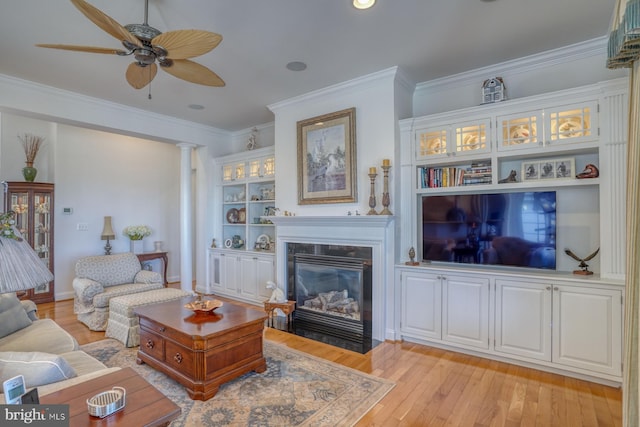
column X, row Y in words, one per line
column 19, row 203
column 33, row 205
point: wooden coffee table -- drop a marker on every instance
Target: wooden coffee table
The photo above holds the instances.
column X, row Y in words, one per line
column 144, row 404
column 201, row 351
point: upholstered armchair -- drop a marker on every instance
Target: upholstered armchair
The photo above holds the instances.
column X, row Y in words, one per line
column 102, row 277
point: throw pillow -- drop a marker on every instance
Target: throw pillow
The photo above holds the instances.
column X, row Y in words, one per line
column 36, row 367
column 12, row 315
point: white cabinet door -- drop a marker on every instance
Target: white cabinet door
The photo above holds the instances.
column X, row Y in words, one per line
column 587, row 328
column 214, row 282
column 523, row 319
column 248, row 278
column 465, row 310
column 421, row 305
column 265, row 271
column 230, row 274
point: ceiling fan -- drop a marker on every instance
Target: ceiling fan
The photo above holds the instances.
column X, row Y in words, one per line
column 148, row 45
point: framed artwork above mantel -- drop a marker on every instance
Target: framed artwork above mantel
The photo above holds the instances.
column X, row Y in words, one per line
column 327, row 158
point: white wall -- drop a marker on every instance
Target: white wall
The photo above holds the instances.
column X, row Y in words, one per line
column 97, row 174
column 373, row 98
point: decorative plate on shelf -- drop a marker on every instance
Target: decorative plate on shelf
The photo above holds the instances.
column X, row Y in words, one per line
column 571, row 128
column 242, row 215
column 232, row 216
column 263, row 242
column 228, row 243
column 520, row 134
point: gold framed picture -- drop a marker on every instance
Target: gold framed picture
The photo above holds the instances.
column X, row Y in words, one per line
column 327, row 158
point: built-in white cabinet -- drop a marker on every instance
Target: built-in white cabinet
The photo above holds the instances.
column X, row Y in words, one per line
column 523, row 319
column 483, row 145
column 560, row 323
column 240, row 275
column 446, row 307
column 575, row 326
column 463, row 138
column 245, row 189
column 587, row 328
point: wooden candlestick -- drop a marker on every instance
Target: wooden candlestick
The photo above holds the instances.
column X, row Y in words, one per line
column 386, row 200
column 372, row 197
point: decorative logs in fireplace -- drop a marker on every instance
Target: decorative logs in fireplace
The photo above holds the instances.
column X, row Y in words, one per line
column 332, row 287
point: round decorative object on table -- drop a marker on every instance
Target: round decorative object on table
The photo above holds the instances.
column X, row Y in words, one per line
column 232, row 216
column 228, row 243
column 204, row 306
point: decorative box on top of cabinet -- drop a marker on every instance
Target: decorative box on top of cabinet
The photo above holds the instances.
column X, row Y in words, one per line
column 33, row 204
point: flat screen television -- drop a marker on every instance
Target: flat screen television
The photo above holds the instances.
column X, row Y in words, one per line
column 509, row 229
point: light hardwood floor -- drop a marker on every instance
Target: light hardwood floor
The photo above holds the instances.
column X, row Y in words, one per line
column 436, row 387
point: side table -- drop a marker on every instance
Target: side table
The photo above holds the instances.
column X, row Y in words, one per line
column 148, row 256
column 145, row 405
column 287, row 307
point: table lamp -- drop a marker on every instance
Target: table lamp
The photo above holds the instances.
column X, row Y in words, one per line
column 20, row 266
column 107, row 234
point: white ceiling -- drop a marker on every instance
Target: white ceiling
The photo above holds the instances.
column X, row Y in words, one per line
column 427, row 39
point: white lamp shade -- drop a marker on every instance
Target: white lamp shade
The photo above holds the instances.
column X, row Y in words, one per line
column 20, row 266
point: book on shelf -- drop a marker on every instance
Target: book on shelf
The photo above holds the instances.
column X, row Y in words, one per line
column 438, row 177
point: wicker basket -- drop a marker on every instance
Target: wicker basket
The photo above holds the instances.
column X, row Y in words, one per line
column 107, row 402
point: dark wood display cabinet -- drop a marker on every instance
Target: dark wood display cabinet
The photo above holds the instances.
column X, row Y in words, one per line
column 33, row 204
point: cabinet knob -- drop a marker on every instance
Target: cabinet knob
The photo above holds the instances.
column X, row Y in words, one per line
column 548, row 288
column 149, row 344
column 162, row 329
column 178, row 358
column 555, row 288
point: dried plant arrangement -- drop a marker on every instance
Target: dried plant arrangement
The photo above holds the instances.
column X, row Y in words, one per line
column 31, row 144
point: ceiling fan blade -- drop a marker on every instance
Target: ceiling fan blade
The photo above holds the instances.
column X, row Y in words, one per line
column 138, row 77
column 183, row 44
column 194, row 73
column 90, row 49
column 105, row 22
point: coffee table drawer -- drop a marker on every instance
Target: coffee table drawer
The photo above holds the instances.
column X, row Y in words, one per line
column 179, row 358
column 152, row 344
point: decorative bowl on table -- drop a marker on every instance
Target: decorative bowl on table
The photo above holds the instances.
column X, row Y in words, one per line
column 201, row 306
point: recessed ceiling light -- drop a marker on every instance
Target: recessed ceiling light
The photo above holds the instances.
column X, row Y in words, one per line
column 296, row 66
column 196, row 106
column 363, row 4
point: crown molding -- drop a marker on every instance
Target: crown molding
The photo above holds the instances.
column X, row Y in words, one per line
column 586, row 49
column 387, row 74
column 68, row 107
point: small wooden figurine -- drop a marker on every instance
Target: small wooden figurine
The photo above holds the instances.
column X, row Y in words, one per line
column 510, row 178
column 590, row 171
column 412, row 257
column 583, row 265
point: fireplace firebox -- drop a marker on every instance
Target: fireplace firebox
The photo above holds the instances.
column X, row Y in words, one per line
column 332, row 289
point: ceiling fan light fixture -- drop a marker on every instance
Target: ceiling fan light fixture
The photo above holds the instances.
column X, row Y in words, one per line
column 363, row 4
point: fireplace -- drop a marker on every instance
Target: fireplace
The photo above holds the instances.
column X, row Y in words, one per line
column 368, row 237
column 332, row 289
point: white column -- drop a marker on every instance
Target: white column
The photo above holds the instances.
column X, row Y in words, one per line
column 186, row 235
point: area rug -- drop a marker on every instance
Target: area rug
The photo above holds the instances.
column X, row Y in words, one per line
column 296, row 390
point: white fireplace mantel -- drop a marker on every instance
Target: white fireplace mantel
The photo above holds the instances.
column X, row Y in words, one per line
column 374, row 231
column 333, row 221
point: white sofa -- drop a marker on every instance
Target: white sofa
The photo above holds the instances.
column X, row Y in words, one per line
column 39, row 349
column 102, row 277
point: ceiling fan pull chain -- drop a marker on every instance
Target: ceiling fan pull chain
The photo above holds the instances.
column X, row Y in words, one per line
column 149, row 82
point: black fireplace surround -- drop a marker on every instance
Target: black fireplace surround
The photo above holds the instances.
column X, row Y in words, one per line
column 332, row 289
